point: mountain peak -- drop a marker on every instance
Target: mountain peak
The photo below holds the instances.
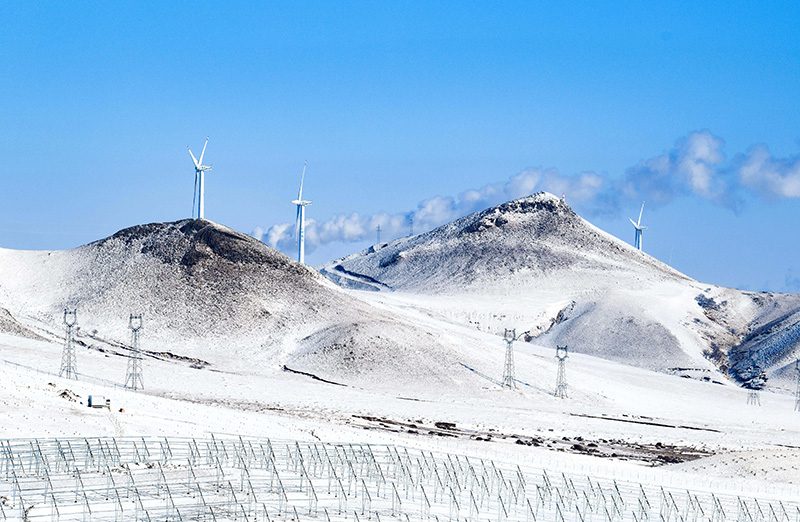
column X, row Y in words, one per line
column 542, row 206
column 527, row 238
column 191, row 241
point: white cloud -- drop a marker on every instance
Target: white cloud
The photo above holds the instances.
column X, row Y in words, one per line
column 432, row 212
column 695, row 165
column 769, row 176
column 697, row 160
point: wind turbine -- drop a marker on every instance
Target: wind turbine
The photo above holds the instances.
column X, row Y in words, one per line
column 639, row 228
column 199, row 179
column 300, row 225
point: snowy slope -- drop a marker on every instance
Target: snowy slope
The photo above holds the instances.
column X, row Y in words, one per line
column 403, row 357
column 535, row 265
column 213, row 296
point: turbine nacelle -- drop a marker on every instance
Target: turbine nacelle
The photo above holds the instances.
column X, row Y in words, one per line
column 637, row 226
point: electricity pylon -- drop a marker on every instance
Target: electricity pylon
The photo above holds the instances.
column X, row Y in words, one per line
column 508, row 370
column 133, row 377
column 561, row 379
column 754, row 397
column 797, row 393
column 68, row 366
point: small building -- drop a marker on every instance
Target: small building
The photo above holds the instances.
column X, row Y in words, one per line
column 98, row 401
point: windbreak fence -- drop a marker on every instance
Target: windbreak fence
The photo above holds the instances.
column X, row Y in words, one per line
column 254, row 479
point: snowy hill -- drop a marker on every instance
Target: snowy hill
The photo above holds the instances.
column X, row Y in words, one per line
column 210, row 295
column 224, row 314
column 535, row 265
column 522, row 239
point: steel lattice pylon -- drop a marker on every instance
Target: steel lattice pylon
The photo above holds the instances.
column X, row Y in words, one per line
column 508, row 370
column 754, row 397
column 797, row 392
column 133, row 377
column 68, row 366
column 561, row 379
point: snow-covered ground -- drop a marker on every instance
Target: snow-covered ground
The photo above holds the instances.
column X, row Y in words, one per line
column 415, row 368
column 635, row 418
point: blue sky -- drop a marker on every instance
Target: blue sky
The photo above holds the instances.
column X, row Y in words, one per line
column 400, row 110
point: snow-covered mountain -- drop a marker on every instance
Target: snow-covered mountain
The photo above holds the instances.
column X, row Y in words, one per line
column 224, row 313
column 212, row 295
column 535, row 265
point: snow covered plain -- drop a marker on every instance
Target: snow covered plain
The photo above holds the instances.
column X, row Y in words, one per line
column 618, row 423
column 224, row 323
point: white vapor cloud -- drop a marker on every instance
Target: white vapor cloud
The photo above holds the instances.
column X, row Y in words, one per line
column 771, row 178
column 695, row 165
column 432, row 212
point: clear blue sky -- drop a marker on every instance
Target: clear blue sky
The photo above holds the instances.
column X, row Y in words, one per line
column 396, row 103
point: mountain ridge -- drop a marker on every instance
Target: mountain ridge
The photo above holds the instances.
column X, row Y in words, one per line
column 580, row 286
column 211, row 293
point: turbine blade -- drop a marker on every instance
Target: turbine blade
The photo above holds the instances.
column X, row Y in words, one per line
column 634, row 223
column 302, row 178
column 193, row 158
column 204, row 151
column 640, row 214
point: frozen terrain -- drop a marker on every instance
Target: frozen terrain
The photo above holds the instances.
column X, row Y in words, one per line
column 240, row 340
column 212, row 296
column 534, row 265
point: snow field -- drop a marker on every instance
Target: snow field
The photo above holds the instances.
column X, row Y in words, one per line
column 262, row 479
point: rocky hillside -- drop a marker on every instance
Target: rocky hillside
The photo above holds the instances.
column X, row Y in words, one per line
column 535, row 265
column 211, row 294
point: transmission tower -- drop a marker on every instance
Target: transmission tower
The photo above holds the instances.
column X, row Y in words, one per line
column 797, row 393
column 753, row 397
column 379, row 234
column 508, row 370
column 561, row 380
column 133, row 377
column 68, row 368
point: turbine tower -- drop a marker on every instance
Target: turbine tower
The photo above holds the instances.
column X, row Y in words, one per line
column 198, row 199
column 300, row 226
column 638, row 226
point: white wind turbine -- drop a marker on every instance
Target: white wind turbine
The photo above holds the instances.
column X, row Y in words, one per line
column 639, row 228
column 198, row 197
column 300, row 225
